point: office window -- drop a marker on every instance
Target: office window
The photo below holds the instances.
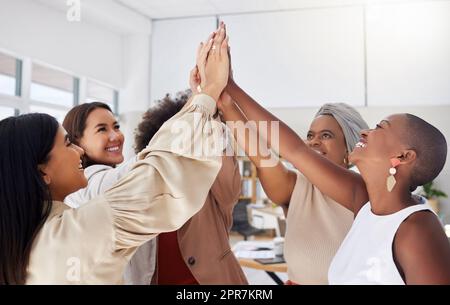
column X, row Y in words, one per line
column 101, row 93
column 52, row 86
column 6, row 112
column 7, row 74
column 57, row 113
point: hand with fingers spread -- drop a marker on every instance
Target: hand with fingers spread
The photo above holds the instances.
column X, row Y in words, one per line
column 213, row 63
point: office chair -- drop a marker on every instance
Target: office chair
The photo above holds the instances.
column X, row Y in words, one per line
column 281, row 226
column 241, row 222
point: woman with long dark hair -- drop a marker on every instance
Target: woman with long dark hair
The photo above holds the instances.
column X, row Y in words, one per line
column 25, row 198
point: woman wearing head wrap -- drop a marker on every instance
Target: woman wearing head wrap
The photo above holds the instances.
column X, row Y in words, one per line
column 349, row 120
column 316, row 224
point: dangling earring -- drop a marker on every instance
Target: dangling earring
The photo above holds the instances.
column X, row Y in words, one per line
column 390, row 183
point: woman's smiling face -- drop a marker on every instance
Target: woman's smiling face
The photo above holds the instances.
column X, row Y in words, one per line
column 102, row 139
column 325, row 136
column 382, row 143
column 63, row 173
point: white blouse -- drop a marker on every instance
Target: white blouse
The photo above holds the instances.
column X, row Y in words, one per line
column 365, row 256
column 100, row 178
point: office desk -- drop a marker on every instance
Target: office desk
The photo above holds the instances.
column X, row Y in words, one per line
column 270, row 269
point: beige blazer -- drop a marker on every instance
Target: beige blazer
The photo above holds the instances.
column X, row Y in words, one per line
column 204, row 239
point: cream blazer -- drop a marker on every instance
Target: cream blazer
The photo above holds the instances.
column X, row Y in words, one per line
column 167, row 186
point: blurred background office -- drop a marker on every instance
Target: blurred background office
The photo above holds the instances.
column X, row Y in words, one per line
column 381, row 56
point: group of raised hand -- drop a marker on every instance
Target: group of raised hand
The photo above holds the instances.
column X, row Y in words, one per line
column 212, row 70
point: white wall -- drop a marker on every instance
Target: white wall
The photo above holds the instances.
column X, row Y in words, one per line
column 408, row 54
column 174, row 45
column 42, row 33
column 301, row 58
column 393, row 53
column 135, row 95
column 117, row 54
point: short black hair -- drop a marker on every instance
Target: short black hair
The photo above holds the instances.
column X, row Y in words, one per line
column 156, row 116
column 431, row 149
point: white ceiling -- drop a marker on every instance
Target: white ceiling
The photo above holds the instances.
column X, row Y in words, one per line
column 110, row 14
column 127, row 16
column 162, row 9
